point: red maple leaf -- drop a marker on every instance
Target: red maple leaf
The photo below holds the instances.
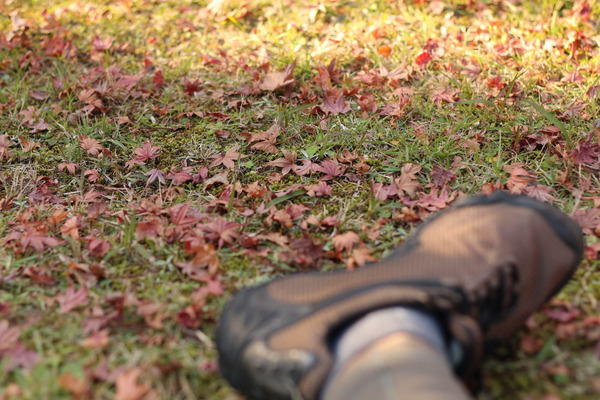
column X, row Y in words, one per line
column 318, row 190
column 306, row 168
column 71, row 167
column 182, row 216
column 423, row 59
column 92, row 175
column 520, row 178
column 587, row 152
column 222, row 230
column 147, row 151
column 31, row 234
column 180, row 177
column 205, row 263
column 287, row 162
column 190, row 87
column 92, row 146
column 588, row 220
column 71, row 299
column 227, row 159
column 150, row 227
column 9, row 336
column 5, row 143
column 539, row 192
column 158, row 79
column 155, row 174
column 98, row 246
column 330, row 168
column 101, row 44
column 359, row 257
column 30, row 115
column 433, row 201
column 441, row 176
column 334, row 106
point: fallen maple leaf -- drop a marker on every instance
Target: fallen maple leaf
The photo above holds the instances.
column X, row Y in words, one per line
column 29, row 115
column 318, row 190
column 98, row 246
column 33, row 235
column 278, row 79
column 71, row 228
column 588, row 220
column 98, row 340
column 539, row 192
column 359, row 258
column 155, row 174
column 520, row 178
column 9, row 336
column 265, row 141
column 38, row 94
column 334, row 106
column 306, row 168
column 441, row 176
column 330, row 168
column 191, row 87
column 205, row 262
column 227, row 159
column 147, row 151
column 71, row 299
column 92, row 146
column 128, row 386
column 407, row 181
column 180, row 177
column 345, row 241
column 587, row 151
column 433, row 201
column 92, row 175
column 422, row 59
column 71, row 167
column 79, row 388
column 221, row 229
column 101, row 44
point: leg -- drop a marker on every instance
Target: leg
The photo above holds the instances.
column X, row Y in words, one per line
column 398, row 366
column 479, row 268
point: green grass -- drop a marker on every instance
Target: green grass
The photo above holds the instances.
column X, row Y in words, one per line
column 510, row 69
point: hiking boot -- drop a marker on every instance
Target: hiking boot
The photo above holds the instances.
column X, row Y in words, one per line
column 481, row 267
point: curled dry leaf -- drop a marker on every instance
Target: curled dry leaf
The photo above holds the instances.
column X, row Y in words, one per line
column 278, row 79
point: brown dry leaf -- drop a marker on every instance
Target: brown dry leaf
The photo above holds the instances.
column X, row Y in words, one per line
column 205, row 262
column 8, row 335
column 71, row 228
column 359, row 257
column 221, row 178
column 29, row 145
column 407, row 182
column 128, row 387
column 265, row 141
column 78, row 387
column 345, row 241
column 97, row 340
column 278, row 79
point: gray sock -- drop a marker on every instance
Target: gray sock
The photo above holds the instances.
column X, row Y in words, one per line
column 381, row 323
